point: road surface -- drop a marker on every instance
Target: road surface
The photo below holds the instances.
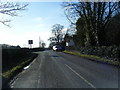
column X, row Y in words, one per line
column 59, row 70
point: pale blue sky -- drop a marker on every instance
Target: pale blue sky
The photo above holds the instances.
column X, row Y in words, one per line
column 36, row 21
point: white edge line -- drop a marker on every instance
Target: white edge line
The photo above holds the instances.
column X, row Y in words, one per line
column 81, row 77
column 11, row 83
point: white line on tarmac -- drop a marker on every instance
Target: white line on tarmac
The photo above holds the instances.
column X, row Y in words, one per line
column 81, row 77
column 13, row 81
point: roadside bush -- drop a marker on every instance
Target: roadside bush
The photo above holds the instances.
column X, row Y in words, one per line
column 108, row 52
column 116, row 53
column 111, row 52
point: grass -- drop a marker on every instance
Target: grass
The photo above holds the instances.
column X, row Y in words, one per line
column 94, row 58
column 11, row 72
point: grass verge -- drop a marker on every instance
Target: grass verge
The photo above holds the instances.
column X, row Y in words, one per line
column 94, row 58
column 10, row 72
column 8, row 75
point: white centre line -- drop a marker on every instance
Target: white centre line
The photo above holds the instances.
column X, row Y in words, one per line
column 81, row 77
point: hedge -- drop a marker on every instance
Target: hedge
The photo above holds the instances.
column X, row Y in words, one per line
column 108, row 52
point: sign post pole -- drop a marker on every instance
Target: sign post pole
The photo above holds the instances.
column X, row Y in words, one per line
column 30, row 42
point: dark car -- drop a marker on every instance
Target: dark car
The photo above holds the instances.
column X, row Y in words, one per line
column 57, row 48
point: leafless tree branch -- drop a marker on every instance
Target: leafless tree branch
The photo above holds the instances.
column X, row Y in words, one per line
column 11, row 9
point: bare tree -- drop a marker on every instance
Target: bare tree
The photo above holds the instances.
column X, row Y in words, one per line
column 71, row 30
column 57, row 32
column 43, row 45
column 96, row 17
column 10, row 9
column 52, row 39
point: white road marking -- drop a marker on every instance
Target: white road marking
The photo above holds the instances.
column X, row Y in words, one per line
column 12, row 85
column 81, row 77
column 26, row 67
column 13, row 81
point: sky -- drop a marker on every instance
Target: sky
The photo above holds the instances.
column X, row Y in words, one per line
column 36, row 21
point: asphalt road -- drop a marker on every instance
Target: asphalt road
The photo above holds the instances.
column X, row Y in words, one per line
column 59, row 70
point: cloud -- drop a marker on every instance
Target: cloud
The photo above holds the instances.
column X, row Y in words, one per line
column 10, row 37
column 38, row 19
column 39, row 22
column 41, row 25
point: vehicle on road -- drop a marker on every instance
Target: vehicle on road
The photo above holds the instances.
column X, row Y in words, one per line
column 57, row 48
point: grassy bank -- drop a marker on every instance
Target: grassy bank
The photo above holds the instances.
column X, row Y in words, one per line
column 13, row 62
column 17, row 68
column 94, row 58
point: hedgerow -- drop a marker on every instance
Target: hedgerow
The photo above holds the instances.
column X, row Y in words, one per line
column 111, row 52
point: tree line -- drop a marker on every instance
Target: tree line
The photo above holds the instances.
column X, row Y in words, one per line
column 97, row 23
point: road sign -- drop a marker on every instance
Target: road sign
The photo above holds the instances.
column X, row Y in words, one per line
column 30, row 41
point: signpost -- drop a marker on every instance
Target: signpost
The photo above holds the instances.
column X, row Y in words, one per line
column 30, row 42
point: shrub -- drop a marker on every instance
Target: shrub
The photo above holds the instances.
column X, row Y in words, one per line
column 108, row 52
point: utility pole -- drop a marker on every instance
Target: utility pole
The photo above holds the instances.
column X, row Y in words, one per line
column 39, row 42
